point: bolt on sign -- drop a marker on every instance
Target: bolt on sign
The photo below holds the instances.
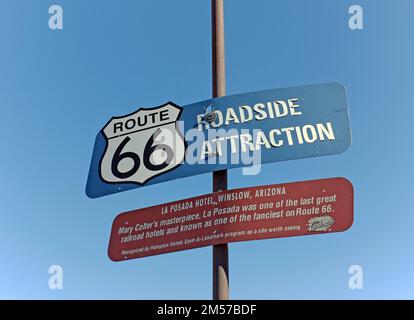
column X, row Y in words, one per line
column 272, row 211
column 153, row 145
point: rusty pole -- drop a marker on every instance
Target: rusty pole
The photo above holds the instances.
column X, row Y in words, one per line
column 220, row 252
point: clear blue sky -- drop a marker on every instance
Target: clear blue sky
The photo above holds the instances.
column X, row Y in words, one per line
column 58, row 88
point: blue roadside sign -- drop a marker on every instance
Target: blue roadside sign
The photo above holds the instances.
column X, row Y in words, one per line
column 168, row 142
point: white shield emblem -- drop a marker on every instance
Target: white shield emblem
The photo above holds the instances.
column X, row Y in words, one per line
column 142, row 145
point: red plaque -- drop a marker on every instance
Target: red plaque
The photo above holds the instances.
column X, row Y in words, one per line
column 273, row 211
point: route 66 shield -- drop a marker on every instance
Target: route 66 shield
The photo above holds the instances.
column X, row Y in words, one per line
column 142, row 145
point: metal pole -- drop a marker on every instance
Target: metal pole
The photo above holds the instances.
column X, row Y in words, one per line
column 220, row 252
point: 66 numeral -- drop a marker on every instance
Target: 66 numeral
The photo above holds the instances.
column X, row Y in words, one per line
column 148, row 152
